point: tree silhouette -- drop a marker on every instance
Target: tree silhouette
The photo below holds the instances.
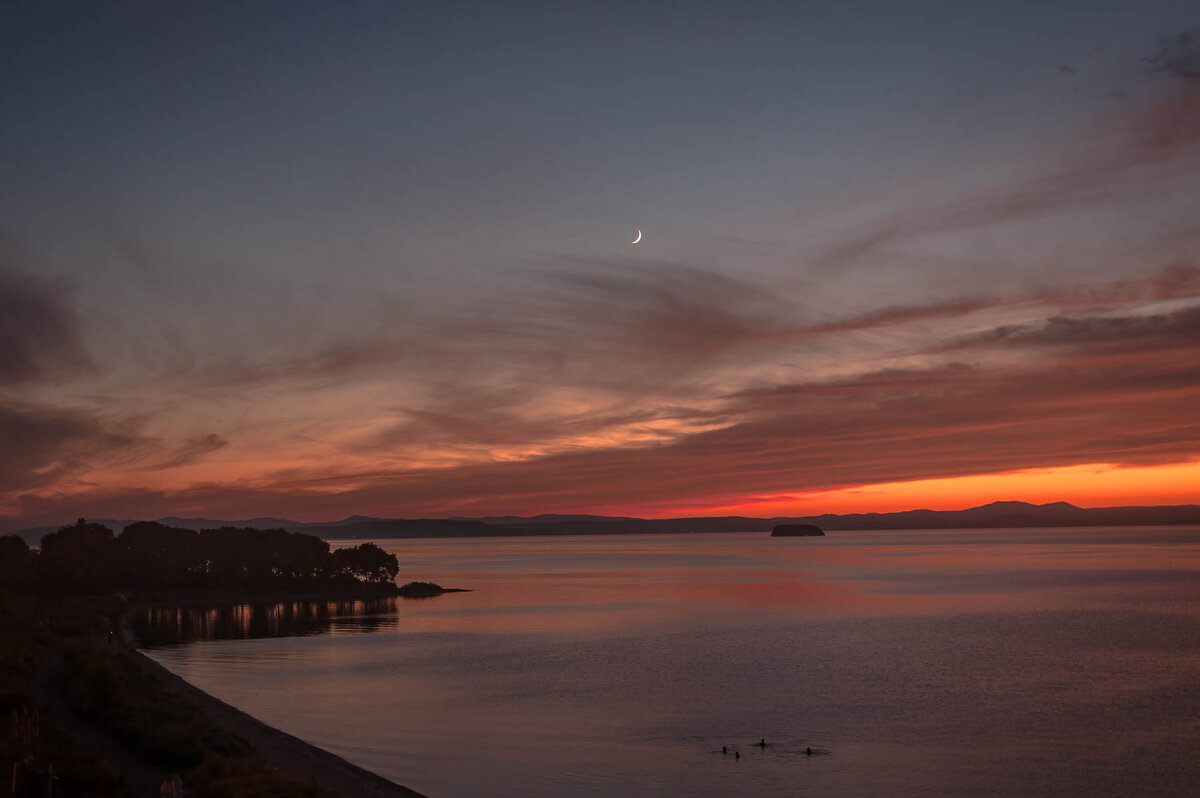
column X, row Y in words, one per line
column 15, row 558
column 157, row 555
column 79, row 558
column 368, row 562
column 86, row 558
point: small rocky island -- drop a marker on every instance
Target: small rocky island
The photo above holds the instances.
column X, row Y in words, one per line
column 797, row 531
column 427, row 589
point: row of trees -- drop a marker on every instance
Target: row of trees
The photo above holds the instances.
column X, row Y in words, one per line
column 89, row 558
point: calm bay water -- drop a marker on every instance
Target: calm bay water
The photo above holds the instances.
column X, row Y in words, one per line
column 955, row 663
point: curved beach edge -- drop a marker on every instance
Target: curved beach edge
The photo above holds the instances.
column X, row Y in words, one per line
column 281, row 749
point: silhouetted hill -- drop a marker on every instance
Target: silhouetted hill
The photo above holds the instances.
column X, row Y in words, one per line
column 611, row 526
column 996, row 515
column 210, row 523
column 34, row 536
column 1000, row 515
column 411, row 528
column 548, row 518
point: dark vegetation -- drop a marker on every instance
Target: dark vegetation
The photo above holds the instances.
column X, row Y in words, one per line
column 30, row 733
column 88, row 558
column 226, row 777
column 110, row 689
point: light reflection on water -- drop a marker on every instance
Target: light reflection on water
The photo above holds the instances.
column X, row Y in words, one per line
column 1006, row 663
column 207, row 622
column 162, row 626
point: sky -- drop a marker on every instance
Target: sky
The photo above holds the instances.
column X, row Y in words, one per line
column 311, row 260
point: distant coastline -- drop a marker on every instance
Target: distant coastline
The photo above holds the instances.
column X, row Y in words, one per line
column 997, row 515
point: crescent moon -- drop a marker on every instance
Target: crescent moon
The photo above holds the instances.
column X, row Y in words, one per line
column 639, row 238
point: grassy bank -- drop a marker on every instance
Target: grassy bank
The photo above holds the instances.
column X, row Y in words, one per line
column 33, row 734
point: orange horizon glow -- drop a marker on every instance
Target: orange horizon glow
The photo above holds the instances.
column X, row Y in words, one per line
column 1087, row 486
column 1092, row 485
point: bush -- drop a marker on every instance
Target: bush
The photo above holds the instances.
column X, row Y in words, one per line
column 79, row 558
column 222, row 777
column 15, row 560
column 367, row 562
column 24, row 649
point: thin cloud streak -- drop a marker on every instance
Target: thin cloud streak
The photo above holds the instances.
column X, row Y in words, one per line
column 1160, row 331
column 47, row 448
column 194, row 450
column 1127, row 154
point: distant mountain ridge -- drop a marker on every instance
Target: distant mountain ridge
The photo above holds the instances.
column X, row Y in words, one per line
column 996, row 515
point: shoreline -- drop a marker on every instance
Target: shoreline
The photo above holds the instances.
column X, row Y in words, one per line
column 277, row 748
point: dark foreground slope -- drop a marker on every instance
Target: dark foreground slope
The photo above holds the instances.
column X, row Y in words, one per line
column 108, row 721
column 91, row 716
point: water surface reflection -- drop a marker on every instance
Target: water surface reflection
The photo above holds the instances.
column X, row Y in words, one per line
column 1006, row 663
column 161, row 626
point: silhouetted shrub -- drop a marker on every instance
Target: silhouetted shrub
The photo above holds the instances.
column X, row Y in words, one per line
column 368, row 562
column 79, row 558
column 157, row 555
column 15, row 560
column 221, row 777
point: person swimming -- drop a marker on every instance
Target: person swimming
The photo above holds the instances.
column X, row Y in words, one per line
column 762, row 743
column 808, row 752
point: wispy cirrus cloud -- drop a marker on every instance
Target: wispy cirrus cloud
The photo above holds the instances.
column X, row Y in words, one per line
column 1125, row 153
column 39, row 330
column 46, row 448
column 1153, row 332
column 193, row 450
